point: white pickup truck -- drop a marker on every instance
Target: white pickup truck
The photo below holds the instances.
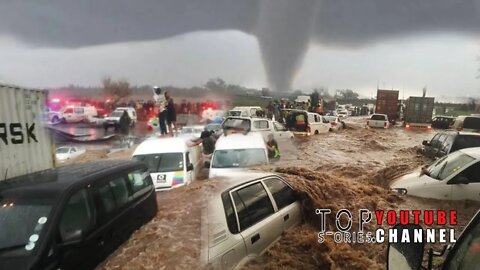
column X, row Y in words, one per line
column 378, row 121
column 254, row 124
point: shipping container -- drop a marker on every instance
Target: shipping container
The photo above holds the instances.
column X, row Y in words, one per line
column 387, row 103
column 25, row 145
column 418, row 112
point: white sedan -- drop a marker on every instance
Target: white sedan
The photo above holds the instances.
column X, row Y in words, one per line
column 65, row 153
column 335, row 123
column 453, row 177
column 378, row 121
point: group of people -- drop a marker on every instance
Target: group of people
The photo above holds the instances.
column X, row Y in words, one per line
column 167, row 115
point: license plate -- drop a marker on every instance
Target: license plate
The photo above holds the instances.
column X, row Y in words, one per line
column 161, row 178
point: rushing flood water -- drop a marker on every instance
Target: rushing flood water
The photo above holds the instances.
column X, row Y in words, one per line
column 349, row 169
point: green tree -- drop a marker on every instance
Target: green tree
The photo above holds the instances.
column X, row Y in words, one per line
column 216, row 85
column 116, row 89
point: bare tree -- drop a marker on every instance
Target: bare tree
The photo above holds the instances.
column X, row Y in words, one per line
column 116, row 90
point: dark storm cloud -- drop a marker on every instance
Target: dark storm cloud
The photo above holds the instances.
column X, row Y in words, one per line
column 284, row 28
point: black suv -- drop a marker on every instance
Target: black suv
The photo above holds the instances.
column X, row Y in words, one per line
column 446, row 142
column 443, row 122
column 72, row 217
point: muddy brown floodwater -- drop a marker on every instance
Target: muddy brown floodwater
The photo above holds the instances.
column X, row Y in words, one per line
column 349, row 169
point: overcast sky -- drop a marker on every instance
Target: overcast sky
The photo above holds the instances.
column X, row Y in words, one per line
column 439, row 52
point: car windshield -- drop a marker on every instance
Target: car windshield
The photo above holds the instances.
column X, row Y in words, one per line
column 62, row 150
column 238, row 158
column 165, row 162
column 117, row 114
column 237, row 123
column 21, row 225
column 378, row 117
column 234, row 113
column 448, row 165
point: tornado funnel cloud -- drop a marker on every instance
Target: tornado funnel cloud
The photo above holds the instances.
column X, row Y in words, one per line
column 284, row 30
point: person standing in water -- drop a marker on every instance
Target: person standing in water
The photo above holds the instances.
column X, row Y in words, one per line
column 161, row 102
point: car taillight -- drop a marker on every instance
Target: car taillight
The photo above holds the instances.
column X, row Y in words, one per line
column 407, row 126
column 429, row 127
column 385, row 124
column 309, row 130
column 334, row 123
column 367, row 122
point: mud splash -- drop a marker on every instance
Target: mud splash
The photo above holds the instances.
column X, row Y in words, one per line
column 299, row 248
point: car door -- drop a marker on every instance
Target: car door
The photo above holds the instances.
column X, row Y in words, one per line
column 263, row 127
column 259, row 227
column 280, row 131
column 466, row 184
column 76, row 248
column 285, row 201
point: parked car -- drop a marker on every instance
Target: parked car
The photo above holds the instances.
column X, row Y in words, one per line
column 192, row 131
column 378, row 121
column 246, row 215
column 306, row 123
column 171, row 162
column 73, row 114
column 264, row 126
column 446, row 142
column 342, row 113
column 74, row 216
column 244, row 111
column 443, row 122
column 65, row 153
column 467, row 123
column 113, row 120
column 336, row 123
column 237, row 152
column 463, row 254
column 453, row 177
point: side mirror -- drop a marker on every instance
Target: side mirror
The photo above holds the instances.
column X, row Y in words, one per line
column 426, row 143
column 207, row 164
column 190, row 167
column 405, row 255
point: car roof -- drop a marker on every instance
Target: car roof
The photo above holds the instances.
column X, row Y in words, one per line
column 161, row 145
column 55, row 181
column 250, row 140
column 454, row 132
column 473, row 152
column 235, row 179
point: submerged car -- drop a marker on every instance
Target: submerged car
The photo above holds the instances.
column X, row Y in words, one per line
column 72, row 217
column 453, row 177
column 246, row 214
column 65, row 153
column 378, row 121
column 446, row 142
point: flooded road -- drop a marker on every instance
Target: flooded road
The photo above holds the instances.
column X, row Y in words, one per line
column 349, row 169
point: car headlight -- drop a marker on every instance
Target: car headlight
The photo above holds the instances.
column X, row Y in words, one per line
column 401, row 191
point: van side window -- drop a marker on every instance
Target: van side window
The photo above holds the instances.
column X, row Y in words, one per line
column 120, row 191
column 78, row 216
column 229, row 213
column 252, row 204
column 283, row 194
column 262, row 124
column 104, row 199
column 140, row 180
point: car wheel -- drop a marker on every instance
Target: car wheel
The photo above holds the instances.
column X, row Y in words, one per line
column 55, row 119
column 316, row 132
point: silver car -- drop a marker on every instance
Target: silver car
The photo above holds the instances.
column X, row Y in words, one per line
column 246, row 214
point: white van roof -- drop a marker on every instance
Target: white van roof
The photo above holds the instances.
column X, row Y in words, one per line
column 252, row 140
column 161, row 145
